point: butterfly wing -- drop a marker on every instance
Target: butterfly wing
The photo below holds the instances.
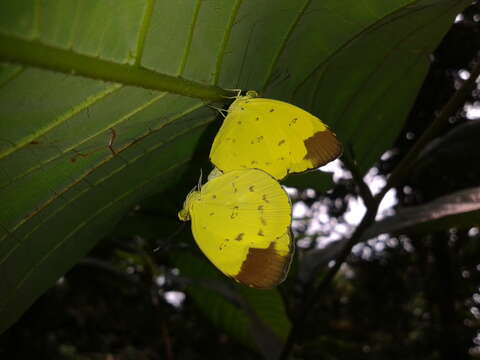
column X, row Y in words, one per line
column 273, row 136
column 241, row 221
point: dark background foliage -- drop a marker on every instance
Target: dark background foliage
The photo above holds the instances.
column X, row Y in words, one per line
column 398, row 297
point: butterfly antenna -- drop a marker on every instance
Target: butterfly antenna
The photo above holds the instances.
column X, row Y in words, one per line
column 222, row 112
column 199, row 185
column 170, row 237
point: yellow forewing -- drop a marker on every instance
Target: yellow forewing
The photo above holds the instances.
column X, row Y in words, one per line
column 273, row 136
column 241, row 221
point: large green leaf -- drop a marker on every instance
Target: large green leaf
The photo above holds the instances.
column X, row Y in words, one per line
column 256, row 318
column 77, row 75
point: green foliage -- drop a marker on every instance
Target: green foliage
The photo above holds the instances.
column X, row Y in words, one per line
column 256, row 318
column 103, row 106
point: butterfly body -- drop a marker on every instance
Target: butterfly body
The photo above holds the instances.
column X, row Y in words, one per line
column 241, row 222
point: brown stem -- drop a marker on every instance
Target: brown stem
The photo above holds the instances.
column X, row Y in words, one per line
column 313, row 292
column 363, row 189
column 399, row 173
column 167, row 341
column 438, row 125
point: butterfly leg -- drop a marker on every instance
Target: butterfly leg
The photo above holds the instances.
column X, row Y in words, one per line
column 222, row 112
column 167, row 242
column 237, row 95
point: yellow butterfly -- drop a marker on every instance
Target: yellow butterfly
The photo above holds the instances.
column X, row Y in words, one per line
column 241, row 221
column 273, row 136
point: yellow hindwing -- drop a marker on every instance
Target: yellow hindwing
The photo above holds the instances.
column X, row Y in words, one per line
column 241, row 221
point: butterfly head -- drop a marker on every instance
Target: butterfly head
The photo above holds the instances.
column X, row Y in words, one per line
column 251, row 94
column 240, row 99
column 216, row 172
column 184, row 214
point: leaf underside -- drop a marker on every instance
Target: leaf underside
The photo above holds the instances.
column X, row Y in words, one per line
column 76, row 152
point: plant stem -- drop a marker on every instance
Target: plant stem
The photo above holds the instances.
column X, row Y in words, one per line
column 313, row 292
column 435, row 129
column 34, row 53
column 398, row 175
column 363, row 188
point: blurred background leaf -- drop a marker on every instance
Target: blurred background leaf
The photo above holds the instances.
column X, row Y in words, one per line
column 458, row 210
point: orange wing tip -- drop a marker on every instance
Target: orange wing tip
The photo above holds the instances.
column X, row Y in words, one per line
column 264, row 268
column 322, row 148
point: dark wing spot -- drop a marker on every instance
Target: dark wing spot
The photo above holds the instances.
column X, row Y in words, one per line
column 212, row 213
column 257, row 118
column 272, row 110
column 263, row 221
column 253, row 162
column 242, row 108
column 252, row 142
column 214, row 196
column 322, row 148
column 223, row 245
column 251, row 188
column 264, row 268
column 281, row 158
column 260, row 207
column 264, row 198
column 234, row 212
column 239, row 236
column 239, row 122
column 281, row 142
column 259, row 138
column 260, row 233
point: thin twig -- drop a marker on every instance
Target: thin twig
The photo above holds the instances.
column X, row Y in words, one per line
column 313, row 293
column 399, row 174
column 348, row 160
column 438, row 125
column 167, row 342
column 167, row 241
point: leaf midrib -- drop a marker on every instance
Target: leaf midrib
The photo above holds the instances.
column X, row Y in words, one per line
column 34, row 53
